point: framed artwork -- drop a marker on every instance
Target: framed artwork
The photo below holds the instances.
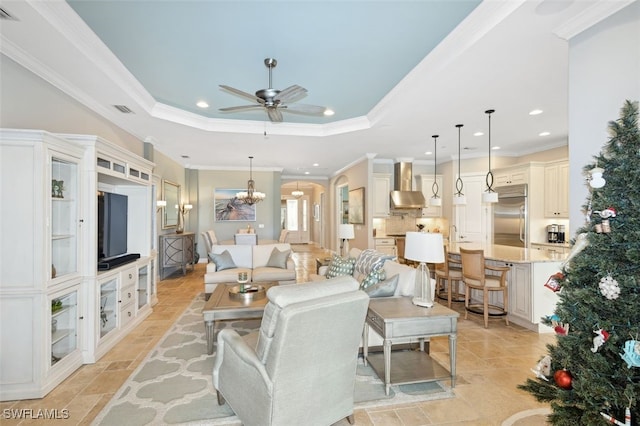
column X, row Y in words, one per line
column 356, row 206
column 229, row 209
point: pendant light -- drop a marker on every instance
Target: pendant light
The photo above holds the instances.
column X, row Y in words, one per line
column 458, row 197
column 297, row 193
column 435, row 199
column 250, row 196
column 489, row 195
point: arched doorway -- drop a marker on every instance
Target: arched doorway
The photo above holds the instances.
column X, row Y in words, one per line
column 302, row 214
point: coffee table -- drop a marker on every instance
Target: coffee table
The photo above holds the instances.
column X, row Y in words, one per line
column 221, row 306
column 396, row 318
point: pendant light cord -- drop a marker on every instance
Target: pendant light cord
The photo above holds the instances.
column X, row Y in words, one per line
column 489, row 178
column 434, row 186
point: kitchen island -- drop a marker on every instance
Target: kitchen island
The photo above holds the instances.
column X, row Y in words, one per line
column 529, row 299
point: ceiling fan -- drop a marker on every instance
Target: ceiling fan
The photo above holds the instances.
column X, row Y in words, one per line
column 273, row 100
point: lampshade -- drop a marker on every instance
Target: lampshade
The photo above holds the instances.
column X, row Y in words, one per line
column 489, row 197
column 346, row 231
column 424, row 247
column 436, row 202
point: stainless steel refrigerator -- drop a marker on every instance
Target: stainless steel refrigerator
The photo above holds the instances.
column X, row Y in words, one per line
column 510, row 216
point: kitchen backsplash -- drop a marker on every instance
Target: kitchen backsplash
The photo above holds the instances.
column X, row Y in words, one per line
column 405, row 223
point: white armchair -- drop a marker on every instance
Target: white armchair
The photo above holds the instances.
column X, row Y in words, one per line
column 303, row 368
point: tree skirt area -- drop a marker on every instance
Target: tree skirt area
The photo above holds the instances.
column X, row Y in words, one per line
column 173, row 385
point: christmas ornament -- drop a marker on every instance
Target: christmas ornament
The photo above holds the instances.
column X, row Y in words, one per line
column 563, row 379
column 543, row 368
column 597, row 181
column 601, row 337
column 609, row 287
column 578, row 246
column 553, row 282
column 561, row 329
column 627, row 418
column 607, row 213
column 631, row 353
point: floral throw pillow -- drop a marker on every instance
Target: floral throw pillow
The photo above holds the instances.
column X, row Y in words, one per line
column 340, row 266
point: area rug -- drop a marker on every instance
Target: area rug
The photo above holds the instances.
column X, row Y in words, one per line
column 173, row 384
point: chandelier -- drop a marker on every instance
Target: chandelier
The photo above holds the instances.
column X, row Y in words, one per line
column 297, row 193
column 435, row 198
column 458, row 198
column 490, row 195
column 250, row 196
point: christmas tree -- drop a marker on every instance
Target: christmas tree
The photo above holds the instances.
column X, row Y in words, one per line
column 591, row 375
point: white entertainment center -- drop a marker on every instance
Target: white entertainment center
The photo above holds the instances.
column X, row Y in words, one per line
column 57, row 310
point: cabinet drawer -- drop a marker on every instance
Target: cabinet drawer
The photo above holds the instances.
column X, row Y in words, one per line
column 385, row 242
column 127, row 295
column 129, row 277
column 127, row 313
column 375, row 322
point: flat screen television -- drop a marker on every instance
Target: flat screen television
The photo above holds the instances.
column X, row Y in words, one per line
column 112, row 225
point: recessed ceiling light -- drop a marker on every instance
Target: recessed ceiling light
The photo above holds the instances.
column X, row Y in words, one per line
column 306, row 173
column 544, row 134
column 428, row 153
column 202, row 104
column 495, row 148
column 315, row 164
column 329, row 112
column 535, row 112
column 478, row 134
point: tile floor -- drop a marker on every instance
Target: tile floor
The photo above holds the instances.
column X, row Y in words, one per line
column 491, row 363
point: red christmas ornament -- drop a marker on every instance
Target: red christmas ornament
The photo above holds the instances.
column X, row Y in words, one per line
column 563, row 379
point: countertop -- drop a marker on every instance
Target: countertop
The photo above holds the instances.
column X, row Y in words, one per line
column 510, row 254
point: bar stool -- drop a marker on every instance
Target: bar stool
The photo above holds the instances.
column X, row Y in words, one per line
column 474, row 276
column 446, row 273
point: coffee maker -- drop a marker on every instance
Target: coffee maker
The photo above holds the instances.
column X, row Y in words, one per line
column 552, row 233
column 561, row 233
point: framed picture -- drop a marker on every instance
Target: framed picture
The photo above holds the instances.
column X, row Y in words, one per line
column 356, row 206
column 316, row 212
column 229, row 209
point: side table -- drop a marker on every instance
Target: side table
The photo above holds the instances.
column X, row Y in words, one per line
column 322, row 262
column 396, row 318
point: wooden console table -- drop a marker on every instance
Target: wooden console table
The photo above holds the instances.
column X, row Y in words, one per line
column 396, row 318
column 176, row 250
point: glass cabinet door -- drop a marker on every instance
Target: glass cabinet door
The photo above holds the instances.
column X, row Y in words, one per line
column 143, row 286
column 64, row 216
column 64, row 326
column 108, row 306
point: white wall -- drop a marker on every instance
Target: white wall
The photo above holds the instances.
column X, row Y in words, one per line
column 604, row 71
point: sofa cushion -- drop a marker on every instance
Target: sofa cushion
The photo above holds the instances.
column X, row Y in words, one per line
column 407, row 277
column 262, row 252
column 241, row 254
column 340, row 266
column 265, row 274
column 373, row 277
column 278, row 259
column 370, row 260
column 384, row 288
column 223, row 260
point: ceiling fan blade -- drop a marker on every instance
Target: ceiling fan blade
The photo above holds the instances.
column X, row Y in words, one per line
column 305, row 109
column 274, row 115
column 291, row 94
column 242, row 94
column 240, row 108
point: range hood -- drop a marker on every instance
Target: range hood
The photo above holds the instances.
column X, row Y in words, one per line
column 403, row 196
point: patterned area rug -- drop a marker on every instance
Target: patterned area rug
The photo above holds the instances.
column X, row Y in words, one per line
column 173, row 384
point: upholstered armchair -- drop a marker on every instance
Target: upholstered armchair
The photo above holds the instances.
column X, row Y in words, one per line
column 302, row 369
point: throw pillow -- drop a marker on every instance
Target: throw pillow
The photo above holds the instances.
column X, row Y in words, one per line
column 386, row 288
column 369, row 260
column 374, row 277
column 340, row 266
column 278, row 259
column 223, row 260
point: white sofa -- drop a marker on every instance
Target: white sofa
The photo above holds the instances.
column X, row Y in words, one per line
column 250, row 259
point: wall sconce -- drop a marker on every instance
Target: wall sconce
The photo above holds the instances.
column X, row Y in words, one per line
column 160, row 204
column 596, row 181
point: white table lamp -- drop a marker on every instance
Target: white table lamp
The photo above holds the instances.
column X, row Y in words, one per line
column 424, row 247
column 345, row 233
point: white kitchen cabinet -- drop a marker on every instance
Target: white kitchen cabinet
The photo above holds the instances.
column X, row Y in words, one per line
column 386, row 246
column 556, row 190
column 511, row 176
column 381, row 191
column 426, row 186
column 472, row 220
column 55, row 308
